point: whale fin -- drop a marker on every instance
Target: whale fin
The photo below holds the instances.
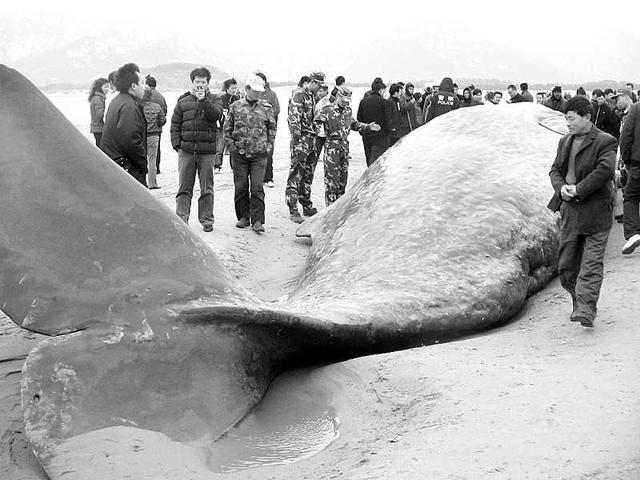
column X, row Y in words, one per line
column 81, row 241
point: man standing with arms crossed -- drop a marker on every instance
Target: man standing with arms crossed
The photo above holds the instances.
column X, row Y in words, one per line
column 303, row 148
column 581, row 176
column 193, row 136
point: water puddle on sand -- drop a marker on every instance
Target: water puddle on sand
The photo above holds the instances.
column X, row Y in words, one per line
column 294, row 421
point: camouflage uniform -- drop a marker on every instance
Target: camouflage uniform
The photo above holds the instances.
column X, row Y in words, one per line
column 337, row 122
column 249, row 133
column 303, row 150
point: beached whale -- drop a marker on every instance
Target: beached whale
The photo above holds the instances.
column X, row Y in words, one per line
column 156, row 350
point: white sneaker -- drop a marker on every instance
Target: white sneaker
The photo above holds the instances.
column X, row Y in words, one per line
column 270, row 184
column 631, row 245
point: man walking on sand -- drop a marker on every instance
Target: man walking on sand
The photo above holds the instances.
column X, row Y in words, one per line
column 581, row 176
column 193, row 136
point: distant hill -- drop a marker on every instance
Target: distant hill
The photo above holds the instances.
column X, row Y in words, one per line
column 76, row 63
column 170, row 76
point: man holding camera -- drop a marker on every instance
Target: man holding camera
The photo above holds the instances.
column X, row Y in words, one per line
column 193, row 136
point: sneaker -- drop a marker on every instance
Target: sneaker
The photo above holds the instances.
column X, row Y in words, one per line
column 257, row 226
column 296, row 217
column 208, row 228
column 309, row 212
column 243, row 223
column 585, row 322
column 631, row 244
column 270, row 184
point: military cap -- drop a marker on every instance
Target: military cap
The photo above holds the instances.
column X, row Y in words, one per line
column 344, row 92
column 256, row 83
column 317, row 77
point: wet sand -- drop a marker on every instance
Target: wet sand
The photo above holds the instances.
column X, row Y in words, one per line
column 538, row 398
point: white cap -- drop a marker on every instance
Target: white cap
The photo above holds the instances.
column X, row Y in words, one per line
column 256, row 83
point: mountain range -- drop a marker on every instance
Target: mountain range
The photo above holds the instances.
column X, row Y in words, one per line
column 75, row 57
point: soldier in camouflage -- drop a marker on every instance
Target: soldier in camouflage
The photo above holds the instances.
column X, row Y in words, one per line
column 303, row 148
column 336, row 120
column 249, row 133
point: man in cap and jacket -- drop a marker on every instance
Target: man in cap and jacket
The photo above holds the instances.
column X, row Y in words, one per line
column 374, row 108
column 556, row 101
column 336, row 120
column 249, row 133
column 303, row 148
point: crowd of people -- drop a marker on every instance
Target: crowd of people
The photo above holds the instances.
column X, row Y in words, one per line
column 243, row 122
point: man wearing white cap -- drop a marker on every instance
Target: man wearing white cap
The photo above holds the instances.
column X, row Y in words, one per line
column 249, row 133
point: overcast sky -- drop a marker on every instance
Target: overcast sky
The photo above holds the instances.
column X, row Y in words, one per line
column 289, row 35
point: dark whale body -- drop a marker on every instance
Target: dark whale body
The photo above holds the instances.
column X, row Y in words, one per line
column 153, row 339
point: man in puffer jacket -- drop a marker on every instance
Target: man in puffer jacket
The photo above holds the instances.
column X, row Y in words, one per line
column 193, row 136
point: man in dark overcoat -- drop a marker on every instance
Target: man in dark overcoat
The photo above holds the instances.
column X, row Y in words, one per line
column 582, row 177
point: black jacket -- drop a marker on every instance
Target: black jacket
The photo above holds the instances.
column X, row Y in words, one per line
column 374, row 108
column 630, row 137
column 605, row 119
column 193, row 123
column 394, row 107
column 442, row 102
column 595, row 167
column 125, row 133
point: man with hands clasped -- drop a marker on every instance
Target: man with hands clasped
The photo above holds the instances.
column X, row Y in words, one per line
column 582, row 178
column 249, row 133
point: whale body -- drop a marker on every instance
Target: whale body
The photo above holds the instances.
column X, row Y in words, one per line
column 153, row 342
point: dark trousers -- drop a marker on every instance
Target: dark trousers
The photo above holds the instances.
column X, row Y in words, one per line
column 631, row 203
column 248, row 178
column 188, row 165
column 373, row 149
column 98, row 137
column 139, row 176
column 580, row 268
column 268, row 171
column 158, row 157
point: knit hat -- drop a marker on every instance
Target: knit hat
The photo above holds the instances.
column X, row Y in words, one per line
column 557, row 88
